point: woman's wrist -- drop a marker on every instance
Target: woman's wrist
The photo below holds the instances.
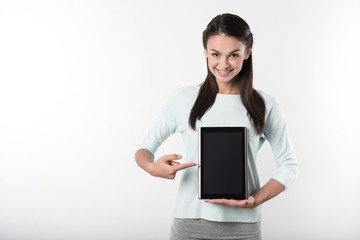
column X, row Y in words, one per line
column 271, row 189
column 258, row 199
column 149, row 167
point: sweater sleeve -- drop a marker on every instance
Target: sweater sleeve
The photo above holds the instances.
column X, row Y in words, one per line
column 164, row 125
column 276, row 133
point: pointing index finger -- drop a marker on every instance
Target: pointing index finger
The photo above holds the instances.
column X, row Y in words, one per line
column 184, row 165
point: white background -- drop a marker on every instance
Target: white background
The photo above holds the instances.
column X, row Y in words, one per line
column 81, row 82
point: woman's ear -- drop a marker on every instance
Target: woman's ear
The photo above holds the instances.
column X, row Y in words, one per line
column 205, row 52
column 248, row 52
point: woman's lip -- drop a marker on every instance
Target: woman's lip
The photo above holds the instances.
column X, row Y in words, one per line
column 224, row 74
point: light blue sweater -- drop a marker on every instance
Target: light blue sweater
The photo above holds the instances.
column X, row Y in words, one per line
column 227, row 110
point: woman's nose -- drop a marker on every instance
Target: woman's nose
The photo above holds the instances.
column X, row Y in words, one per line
column 224, row 63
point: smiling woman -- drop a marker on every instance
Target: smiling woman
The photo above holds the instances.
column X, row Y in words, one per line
column 224, row 62
column 228, row 42
column 225, row 98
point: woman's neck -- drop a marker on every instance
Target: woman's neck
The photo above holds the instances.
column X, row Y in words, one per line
column 231, row 90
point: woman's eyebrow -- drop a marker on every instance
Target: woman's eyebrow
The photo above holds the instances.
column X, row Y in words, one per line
column 230, row 52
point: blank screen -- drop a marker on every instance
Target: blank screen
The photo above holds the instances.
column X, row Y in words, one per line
column 222, row 167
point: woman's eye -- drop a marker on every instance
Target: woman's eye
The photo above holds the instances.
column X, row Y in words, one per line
column 234, row 55
column 215, row 54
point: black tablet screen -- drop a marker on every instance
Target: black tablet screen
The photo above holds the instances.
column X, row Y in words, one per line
column 223, row 162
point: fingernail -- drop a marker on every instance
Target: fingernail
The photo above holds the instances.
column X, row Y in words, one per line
column 179, row 156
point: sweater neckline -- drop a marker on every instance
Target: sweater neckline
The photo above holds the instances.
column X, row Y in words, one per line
column 221, row 94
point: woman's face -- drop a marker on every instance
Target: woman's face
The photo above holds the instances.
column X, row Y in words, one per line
column 225, row 57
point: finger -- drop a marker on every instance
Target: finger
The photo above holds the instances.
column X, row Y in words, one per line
column 250, row 201
column 229, row 202
column 170, row 157
column 173, row 163
column 183, row 166
column 219, row 201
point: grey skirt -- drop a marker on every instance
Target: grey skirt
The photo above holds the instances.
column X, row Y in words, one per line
column 188, row 229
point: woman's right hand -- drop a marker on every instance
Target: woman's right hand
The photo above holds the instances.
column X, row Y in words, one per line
column 166, row 166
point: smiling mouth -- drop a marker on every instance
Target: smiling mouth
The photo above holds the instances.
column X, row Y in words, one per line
column 223, row 73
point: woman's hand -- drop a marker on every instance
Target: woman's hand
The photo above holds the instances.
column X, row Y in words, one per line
column 166, row 166
column 271, row 189
column 247, row 203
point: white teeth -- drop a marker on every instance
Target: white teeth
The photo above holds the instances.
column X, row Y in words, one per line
column 223, row 71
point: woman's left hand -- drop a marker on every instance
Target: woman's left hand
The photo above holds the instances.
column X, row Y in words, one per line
column 246, row 203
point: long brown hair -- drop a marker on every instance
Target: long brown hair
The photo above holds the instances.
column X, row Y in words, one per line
column 230, row 25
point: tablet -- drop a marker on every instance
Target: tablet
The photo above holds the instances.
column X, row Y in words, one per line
column 223, row 162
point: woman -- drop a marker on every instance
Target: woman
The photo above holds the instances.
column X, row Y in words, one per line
column 225, row 98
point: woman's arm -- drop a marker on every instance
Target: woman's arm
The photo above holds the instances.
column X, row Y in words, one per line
column 286, row 165
column 144, row 159
column 165, row 167
column 164, row 125
column 271, row 189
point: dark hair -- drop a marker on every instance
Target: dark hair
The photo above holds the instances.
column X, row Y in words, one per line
column 231, row 25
